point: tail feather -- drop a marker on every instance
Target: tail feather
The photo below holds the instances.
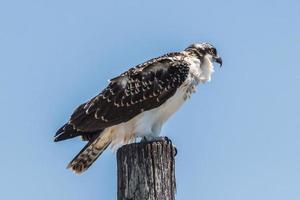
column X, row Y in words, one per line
column 92, row 150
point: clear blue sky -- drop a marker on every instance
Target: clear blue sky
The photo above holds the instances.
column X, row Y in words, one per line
column 238, row 137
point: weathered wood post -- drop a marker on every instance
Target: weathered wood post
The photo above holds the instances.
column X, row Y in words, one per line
column 146, row 171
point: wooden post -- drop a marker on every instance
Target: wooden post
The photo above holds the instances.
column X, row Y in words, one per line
column 146, row 171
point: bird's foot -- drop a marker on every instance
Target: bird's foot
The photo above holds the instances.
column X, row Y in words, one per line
column 157, row 139
column 169, row 141
column 165, row 138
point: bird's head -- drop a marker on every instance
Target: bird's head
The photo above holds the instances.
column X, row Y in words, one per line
column 205, row 50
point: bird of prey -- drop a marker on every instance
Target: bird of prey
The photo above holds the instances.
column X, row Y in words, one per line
column 138, row 102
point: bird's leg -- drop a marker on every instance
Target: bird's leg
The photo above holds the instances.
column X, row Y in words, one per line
column 144, row 139
column 149, row 138
column 153, row 139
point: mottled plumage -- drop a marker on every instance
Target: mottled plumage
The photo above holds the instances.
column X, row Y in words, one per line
column 137, row 102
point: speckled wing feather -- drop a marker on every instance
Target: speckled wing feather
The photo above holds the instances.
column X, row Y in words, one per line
column 141, row 88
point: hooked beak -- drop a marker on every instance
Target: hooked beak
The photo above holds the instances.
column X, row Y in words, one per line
column 218, row 59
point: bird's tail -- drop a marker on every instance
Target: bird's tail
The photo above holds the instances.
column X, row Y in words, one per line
column 92, row 150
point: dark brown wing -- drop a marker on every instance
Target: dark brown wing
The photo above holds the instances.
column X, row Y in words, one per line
column 142, row 88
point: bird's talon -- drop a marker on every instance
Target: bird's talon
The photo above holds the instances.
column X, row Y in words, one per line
column 165, row 138
column 175, row 151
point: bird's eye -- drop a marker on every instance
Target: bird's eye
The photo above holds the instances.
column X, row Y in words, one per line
column 213, row 51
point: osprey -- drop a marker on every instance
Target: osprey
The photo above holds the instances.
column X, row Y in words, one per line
column 138, row 102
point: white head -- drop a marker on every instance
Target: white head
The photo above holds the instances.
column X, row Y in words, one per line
column 205, row 50
column 207, row 55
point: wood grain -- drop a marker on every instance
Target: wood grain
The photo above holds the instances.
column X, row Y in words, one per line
column 146, row 171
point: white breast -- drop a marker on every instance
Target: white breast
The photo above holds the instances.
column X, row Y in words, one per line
column 146, row 124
